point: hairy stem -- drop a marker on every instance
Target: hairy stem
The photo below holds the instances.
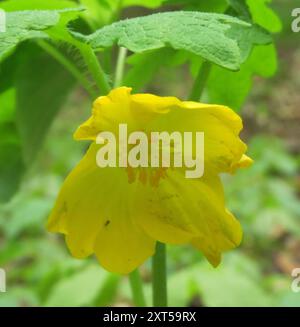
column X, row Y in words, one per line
column 68, row 64
column 95, row 68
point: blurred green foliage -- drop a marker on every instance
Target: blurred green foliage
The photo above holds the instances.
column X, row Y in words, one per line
column 265, row 198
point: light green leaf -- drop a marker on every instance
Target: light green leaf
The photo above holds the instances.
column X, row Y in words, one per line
column 264, row 16
column 207, row 35
column 17, row 5
column 98, row 12
column 25, row 25
column 232, row 88
column 244, row 288
column 144, row 3
column 81, row 289
column 31, row 24
column 180, row 288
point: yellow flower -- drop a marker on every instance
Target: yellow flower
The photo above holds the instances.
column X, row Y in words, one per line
column 120, row 213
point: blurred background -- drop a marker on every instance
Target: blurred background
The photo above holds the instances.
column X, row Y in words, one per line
column 265, row 198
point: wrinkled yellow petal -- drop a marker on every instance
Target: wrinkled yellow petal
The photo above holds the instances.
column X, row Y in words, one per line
column 244, row 162
column 188, row 211
column 119, row 214
column 221, row 126
column 212, row 247
column 92, row 210
column 224, row 149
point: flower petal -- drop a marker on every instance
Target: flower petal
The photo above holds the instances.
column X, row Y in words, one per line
column 89, row 212
column 223, row 149
column 184, row 210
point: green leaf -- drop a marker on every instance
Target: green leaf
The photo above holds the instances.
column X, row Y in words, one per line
column 247, row 38
column 232, row 88
column 28, row 106
column 11, row 161
column 145, row 65
column 264, row 16
column 241, row 8
column 216, row 6
column 39, row 97
column 180, row 289
column 204, row 34
column 144, row 3
column 25, row 25
column 232, row 278
column 17, row 5
column 81, row 289
column 32, row 24
column 99, row 13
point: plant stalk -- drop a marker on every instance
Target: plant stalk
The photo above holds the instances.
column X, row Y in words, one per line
column 69, row 65
column 200, row 81
column 95, row 68
column 136, row 284
column 120, row 67
column 159, row 276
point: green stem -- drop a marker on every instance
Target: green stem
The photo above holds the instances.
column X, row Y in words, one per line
column 57, row 55
column 136, row 284
column 159, row 276
column 200, row 81
column 120, row 67
column 95, row 68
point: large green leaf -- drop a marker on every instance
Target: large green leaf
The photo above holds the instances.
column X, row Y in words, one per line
column 238, row 277
column 240, row 7
column 263, row 15
column 11, row 161
column 232, row 88
column 83, row 288
column 27, row 108
column 31, row 24
column 39, row 97
column 24, row 25
column 214, row 37
column 145, row 65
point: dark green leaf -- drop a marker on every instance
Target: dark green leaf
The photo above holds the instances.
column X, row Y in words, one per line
column 203, row 34
column 39, row 97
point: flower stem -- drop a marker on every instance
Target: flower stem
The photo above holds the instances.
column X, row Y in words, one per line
column 136, row 284
column 69, row 65
column 95, row 68
column 159, row 276
column 120, row 67
column 200, row 81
